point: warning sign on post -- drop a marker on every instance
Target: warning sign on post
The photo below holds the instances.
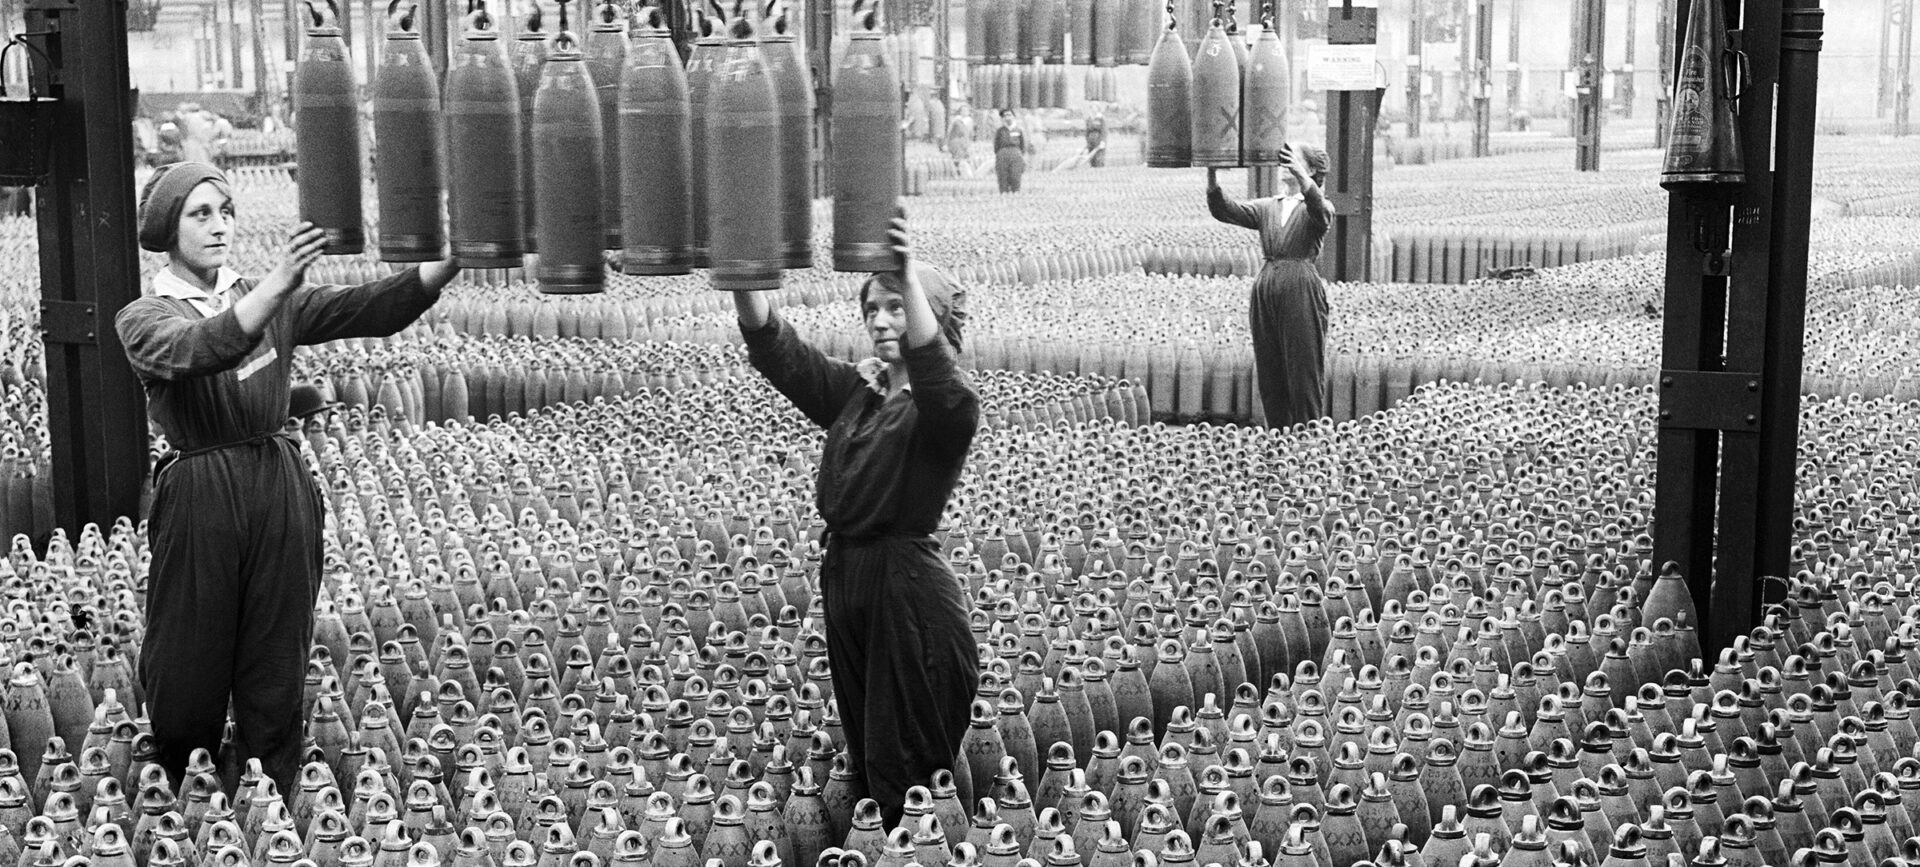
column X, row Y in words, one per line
column 1340, row 67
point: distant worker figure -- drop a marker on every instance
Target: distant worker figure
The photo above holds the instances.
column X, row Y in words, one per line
column 1010, row 149
column 959, row 134
column 1288, row 308
column 1096, row 141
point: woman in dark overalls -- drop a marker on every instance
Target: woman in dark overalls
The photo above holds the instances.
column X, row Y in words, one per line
column 1010, row 149
column 898, row 428
column 236, row 517
column 1288, row 308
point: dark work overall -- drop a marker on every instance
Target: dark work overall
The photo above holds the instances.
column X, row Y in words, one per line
column 236, row 518
column 1287, row 311
column 1009, row 157
column 904, row 663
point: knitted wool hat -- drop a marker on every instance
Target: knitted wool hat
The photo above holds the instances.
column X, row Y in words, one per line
column 165, row 196
column 944, row 294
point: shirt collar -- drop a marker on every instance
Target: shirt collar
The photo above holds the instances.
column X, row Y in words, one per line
column 874, row 372
column 167, row 284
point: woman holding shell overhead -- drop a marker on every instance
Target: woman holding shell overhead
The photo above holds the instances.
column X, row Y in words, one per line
column 899, row 425
column 1287, row 311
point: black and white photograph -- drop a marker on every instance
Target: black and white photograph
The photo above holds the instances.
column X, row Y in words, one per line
column 959, row 433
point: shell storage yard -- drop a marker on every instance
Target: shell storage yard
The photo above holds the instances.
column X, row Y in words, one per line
column 959, row 433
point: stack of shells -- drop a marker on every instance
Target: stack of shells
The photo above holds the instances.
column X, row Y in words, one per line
column 1432, row 637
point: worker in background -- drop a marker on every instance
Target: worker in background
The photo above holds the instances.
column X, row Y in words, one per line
column 1287, row 312
column 236, row 521
column 196, row 133
column 899, row 425
column 959, row 135
column 169, row 140
column 1010, row 149
column 1096, row 141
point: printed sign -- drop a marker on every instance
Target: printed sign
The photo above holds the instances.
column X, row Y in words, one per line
column 1340, row 67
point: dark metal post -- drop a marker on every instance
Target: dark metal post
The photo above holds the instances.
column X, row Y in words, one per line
column 1482, row 81
column 1350, row 145
column 1802, row 28
column 1589, row 105
column 1903, row 83
column 1416, row 40
column 1515, row 101
column 1464, row 93
column 1692, row 340
column 1733, row 340
column 217, row 33
column 1883, row 73
column 943, row 64
column 1663, row 101
column 1749, row 313
column 238, row 80
column 1625, row 87
column 96, row 412
column 262, row 82
column 819, row 44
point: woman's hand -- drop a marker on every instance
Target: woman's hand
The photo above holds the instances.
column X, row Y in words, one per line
column 897, row 240
column 438, row 274
column 1290, row 161
column 304, row 247
column 923, row 327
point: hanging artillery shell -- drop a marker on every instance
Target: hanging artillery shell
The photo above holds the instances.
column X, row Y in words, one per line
column 793, row 102
column 702, row 64
column 486, row 150
column 746, row 236
column 606, row 51
column 326, row 106
column 867, row 151
column 408, row 136
column 656, row 154
column 1215, row 101
column 528, row 57
column 567, row 166
column 1169, row 107
column 1264, row 111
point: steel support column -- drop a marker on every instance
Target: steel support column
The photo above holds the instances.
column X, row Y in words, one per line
column 1903, row 78
column 1802, row 27
column 96, row 412
column 1734, row 332
column 1663, row 101
column 1590, row 109
column 1350, row 123
column 1481, row 87
column 818, row 39
column 262, row 81
column 1416, row 42
column 1625, row 89
column 1515, row 100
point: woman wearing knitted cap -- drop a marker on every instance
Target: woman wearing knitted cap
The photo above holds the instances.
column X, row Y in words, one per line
column 898, row 428
column 1288, row 308
column 235, row 524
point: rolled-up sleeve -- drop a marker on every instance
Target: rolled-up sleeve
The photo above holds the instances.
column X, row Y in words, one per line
column 816, row 385
column 948, row 407
column 376, row 309
column 164, row 343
